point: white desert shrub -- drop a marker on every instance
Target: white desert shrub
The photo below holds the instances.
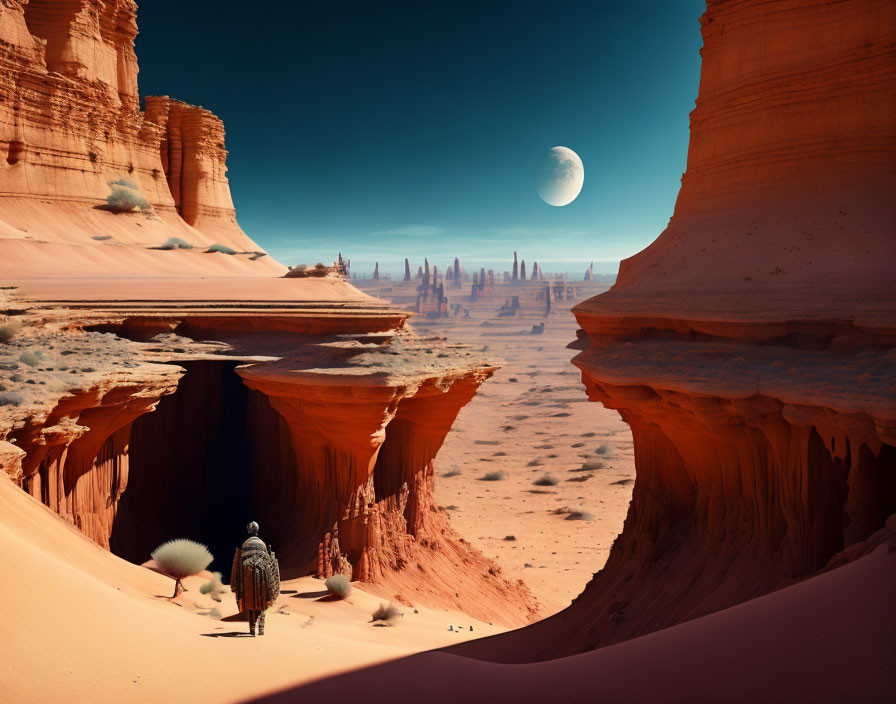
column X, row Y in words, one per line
column 339, row 585
column 181, row 558
column 126, row 197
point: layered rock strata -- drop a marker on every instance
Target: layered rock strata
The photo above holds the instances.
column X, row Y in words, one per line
column 70, row 123
column 365, row 423
column 752, row 346
column 130, row 427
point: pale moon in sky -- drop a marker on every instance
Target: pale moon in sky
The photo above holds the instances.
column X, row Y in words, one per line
column 559, row 175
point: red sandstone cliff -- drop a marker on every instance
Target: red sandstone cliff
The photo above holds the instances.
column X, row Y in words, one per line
column 751, row 346
column 330, row 448
column 70, row 123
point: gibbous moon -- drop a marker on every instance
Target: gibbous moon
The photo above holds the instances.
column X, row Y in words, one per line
column 559, row 175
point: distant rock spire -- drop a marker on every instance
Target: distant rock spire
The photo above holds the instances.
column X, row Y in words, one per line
column 482, row 279
column 589, row 273
column 516, row 268
column 547, row 299
column 534, row 276
column 419, row 272
column 376, row 272
column 457, row 273
column 407, row 270
column 523, row 270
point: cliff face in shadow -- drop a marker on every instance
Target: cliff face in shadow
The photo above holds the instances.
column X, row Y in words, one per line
column 751, row 346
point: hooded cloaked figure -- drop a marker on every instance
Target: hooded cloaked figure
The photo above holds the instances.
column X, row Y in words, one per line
column 255, row 578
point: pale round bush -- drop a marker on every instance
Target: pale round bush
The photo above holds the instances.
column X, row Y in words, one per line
column 182, row 558
column 126, row 197
column 338, row 585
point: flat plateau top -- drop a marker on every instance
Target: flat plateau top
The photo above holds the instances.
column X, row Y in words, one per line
column 871, row 305
column 212, row 291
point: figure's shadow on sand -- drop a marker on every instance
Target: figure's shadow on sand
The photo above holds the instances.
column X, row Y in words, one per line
column 229, row 634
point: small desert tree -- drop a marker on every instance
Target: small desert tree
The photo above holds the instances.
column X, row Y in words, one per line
column 181, row 558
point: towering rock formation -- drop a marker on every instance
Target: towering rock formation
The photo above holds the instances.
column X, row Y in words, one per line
column 536, row 272
column 589, row 272
column 515, row 267
column 376, row 271
column 523, row 270
column 547, row 299
column 70, row 123
column 419, row 272
column 751, row 346
column 407, row 270
column 108, row 423
column 458, row 275
column 482, row 279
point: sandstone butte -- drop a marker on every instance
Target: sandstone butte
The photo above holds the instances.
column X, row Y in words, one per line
column 750, row 348
column 110, row 427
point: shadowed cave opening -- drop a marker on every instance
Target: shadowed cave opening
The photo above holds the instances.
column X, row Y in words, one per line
column 192, row 464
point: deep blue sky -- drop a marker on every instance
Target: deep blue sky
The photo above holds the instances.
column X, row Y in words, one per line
column 392, row 129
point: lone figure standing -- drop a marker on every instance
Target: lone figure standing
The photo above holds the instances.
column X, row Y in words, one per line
column 255, row 578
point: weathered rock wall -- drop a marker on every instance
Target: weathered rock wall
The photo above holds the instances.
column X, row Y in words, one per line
column 70, row 123
column 330, row 449
column 359, row 497
column 752, row 346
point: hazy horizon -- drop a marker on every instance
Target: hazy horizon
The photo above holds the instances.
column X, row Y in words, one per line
column 392, row 267
column 411, row 129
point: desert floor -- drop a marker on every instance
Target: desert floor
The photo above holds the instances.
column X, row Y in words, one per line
column 532, row 421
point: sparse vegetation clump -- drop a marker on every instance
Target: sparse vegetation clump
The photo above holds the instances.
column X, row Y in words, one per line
column 9, row 329
column 580, row 516
column 339, row 586
column 451, row 473
column 304, row 271
column 11, row 398
column 176, row 243
column 126, row 197
column 580, row 478
column 32, row 358
column 603, row 449
column 214, row 587
column 546, row 480
column 589, row 465
column 220, row 248
column 385, row 612
column 181, row 558
column 494, row 476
